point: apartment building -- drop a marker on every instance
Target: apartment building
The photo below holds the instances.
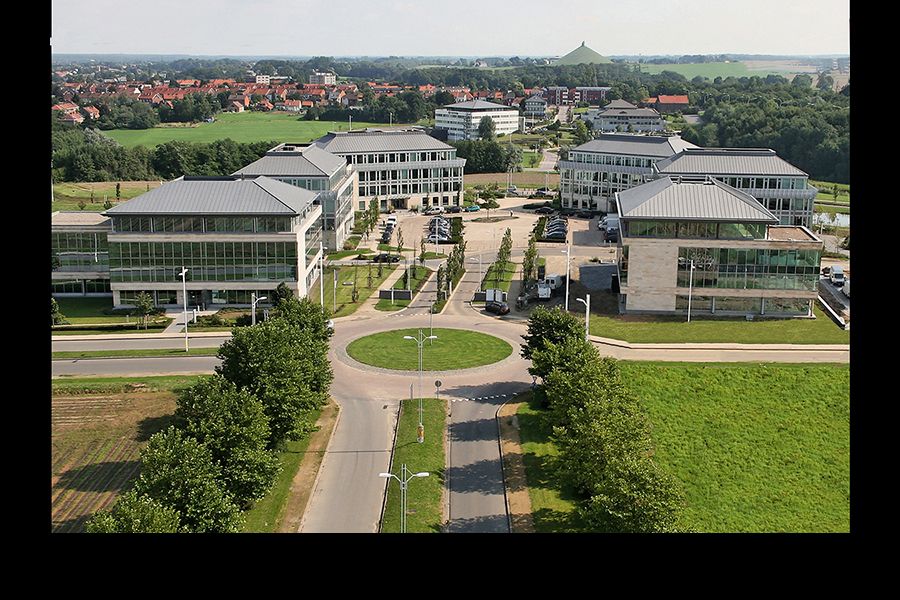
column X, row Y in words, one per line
column 309, row 167
column 402, row 167
column 326, row 77
column 707, row 245
column 613, row 162
column 622, row 116
column 461, row 120
column 536, row 107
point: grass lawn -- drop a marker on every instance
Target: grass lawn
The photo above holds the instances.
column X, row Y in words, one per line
column 454, row 349
column 424, row 510
column 345, row 253
column 265, row 516
column 113, row 385
column 415, row 284
column 67, row 195
column 159, row 328
column 136, row 353
column 344, row 298
column 826, row 208
column 392, row 249
column 826, row 194
column 524, row 179
column 430, row 255
column 757, row 447
column 241, row 127
column 531, row 159
column 710, row 70
column 90, row 310
column 675, row 329
column 499, row 276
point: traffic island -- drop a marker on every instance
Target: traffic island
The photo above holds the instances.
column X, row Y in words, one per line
column 453, row 349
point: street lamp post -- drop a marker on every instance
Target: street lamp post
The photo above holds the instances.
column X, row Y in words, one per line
column 404, row 483
column 321, row 259
column 184, row 292
column 480, row 273
column 431, row 323
column 690, row 289
column 568, row 260
column 587, row 317
column 420, row 341
column 253, row 302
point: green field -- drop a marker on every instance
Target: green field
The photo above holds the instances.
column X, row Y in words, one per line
column 424, row 511
column 531, row 160
column 65, row 385
column 415, row 284
column 66, row 196
column 453, row 349
column 90, row 310
column 339, row 300
column 499, row 276
column 827, row 195
column 710, row 70
column 757, row 448
column 241, row 127
column 675, row 329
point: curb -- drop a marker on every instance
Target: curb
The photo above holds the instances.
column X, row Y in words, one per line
column 337, row 420
column 90, row 358
column 390, row 466
column 502, row 469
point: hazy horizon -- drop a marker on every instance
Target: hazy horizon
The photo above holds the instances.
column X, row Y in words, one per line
column 401, row 28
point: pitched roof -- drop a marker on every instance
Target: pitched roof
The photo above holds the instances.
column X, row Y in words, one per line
column 379, row 140
column 706, row 200
column 537, row 98
column 291, row 159
column 476, row 105
column 636, row 144
column 727, row 161
column 619, row 104
column 219, row 195
column 682, row 99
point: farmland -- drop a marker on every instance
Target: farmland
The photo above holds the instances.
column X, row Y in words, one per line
column 241, row 127
column 98, row 430
column 723, row 69
column 66, row 196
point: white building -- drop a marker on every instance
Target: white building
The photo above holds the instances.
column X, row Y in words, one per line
column 536, row 107
column 327, row 78
column 461, row 120
column 623, row 116
column 264, row 79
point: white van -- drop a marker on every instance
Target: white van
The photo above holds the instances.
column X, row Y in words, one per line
column 837, row 276
column 846, row 288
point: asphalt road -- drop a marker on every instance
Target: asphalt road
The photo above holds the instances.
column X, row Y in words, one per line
column 137, row 367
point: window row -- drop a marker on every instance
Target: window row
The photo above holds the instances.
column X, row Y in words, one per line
column 281, row 272
column 413, row 188
column 400, row 157
column 695, row 229
column 712, row 259
column 610, row 159
column 151, row 253
column 768, row 306
column 81, row 286
column 202, row 224
column 748, row 280
column 765, row 183
column 377, row 176
column 76, row 241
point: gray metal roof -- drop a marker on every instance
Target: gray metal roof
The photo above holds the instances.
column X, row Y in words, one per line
column 619, row 104
column 727, row 161
column 706, row 200
column 379, row 141
column 627, row 112
column 310, row 161
column 477, row 105
column 636, row 144
column 226, row 196
column 536, row 97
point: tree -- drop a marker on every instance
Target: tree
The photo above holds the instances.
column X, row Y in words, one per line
column 107, row 204
column 581, row 133
column 440, row 280
column 400, row 242
column 549, row 325
column 307, row 316
column 283, row 365
column 135, row 514
column 81, row 205
column 422, row 250
column 56, row 317
column 179, row 472
column 144, row 305
column 486, row 128
column 529, row 261
column 118, row 192
column 232, row 423
column 282, row 293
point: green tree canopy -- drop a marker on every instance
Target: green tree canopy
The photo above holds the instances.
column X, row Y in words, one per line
column 486, row 128
column 135, row 514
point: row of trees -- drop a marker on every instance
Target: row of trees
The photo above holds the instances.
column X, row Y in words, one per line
column 489, row 156
column 529, row 262
column 600, row 430
column 451, row 272
column 88, row 155
column 219, row 456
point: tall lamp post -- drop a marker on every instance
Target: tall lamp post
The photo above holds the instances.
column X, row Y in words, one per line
column 420, row 341
column 690, row 289
column 587, row 317
column 568, row 260
column 321, row 259
column 480, row 273
column 253, row 302
column 184, row 292
column 404, row 483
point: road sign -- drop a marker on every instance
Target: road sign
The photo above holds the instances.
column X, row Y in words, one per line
column 437, row 383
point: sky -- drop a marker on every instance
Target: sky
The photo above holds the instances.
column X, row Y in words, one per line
column 449, row 28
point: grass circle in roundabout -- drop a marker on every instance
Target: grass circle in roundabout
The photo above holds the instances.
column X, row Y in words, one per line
column 453, row 349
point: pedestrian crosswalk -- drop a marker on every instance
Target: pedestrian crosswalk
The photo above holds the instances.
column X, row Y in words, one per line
column 408, row 313
column 479, row 398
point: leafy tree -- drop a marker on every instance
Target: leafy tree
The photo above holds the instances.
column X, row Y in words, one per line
column 118, row 192
column 581, row 133
column 56, row 317
column 179, row 472
column 307, row 316
column 440, row 279
column 81, row 204
column 282, row 293
column 486, row 128
column 107, row 204
column 400, row 242
column 135, row 514
column 529, row 261
column 422, row 250
column 549, row 325
column 232, row 423
column 144, row 305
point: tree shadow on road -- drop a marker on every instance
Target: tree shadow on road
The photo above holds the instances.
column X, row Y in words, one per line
column 486, row 524
column 481, row 477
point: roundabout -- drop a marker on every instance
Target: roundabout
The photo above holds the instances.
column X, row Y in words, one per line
column 454, row 349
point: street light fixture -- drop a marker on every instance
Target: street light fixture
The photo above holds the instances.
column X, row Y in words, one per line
column 184, row 292
column 404, row 483
column 568, row 260
column 253, row 302
column 480, row 273
column 587, row 316
column 690, row 289
column 420, row 341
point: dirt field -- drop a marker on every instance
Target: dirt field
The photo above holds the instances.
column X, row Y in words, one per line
column 97, row 441
column 530, row 179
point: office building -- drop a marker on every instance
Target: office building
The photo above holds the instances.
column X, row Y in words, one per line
column 461, row 120
column 624, row 117
column 80, row 253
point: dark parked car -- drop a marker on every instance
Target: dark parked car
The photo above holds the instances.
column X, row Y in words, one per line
column 386, row 258
column 497, row 307
column 612, row 235
column 453, row 209
column 544, row 210
column 584, row 214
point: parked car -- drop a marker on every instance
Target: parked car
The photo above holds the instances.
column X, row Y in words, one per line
column 846, row 288
column 437, row 239
column 584, row 214
column 826, row 271
column 512, row 191
column 612, row 235
column 473, row 208
column 544, row 192
column 454, row 209
column 497, row 307
column 555, row 235
column 434, row 210
column 386, row 258
column 544, row 210
column 837, row 276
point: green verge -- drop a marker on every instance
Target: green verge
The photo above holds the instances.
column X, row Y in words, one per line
column 425, row 512
column 345, row 305
column 64, row 385
column 675, row 329
column 827, row 208
column 499, row 276
column 415, row 284
column 439, row 305
column 107, row 329
column 453, row 349
column 265, row 516
column 392, row 249
column 757, row 447
column 345, row 253
column 149, row 352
